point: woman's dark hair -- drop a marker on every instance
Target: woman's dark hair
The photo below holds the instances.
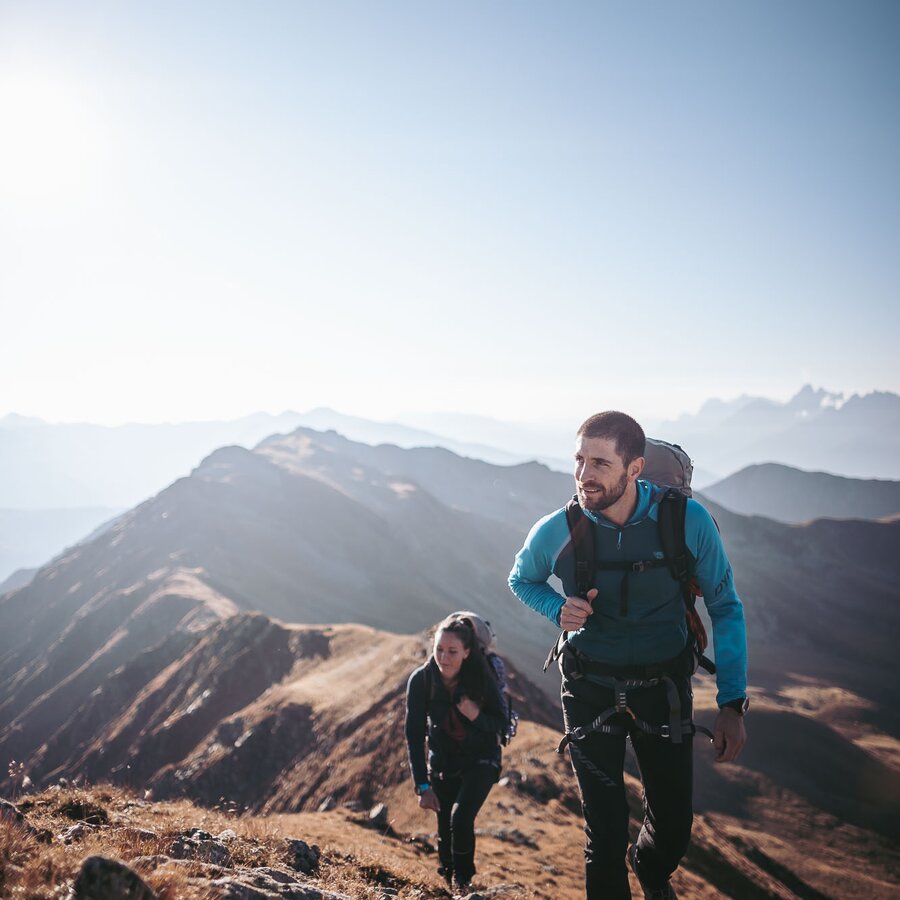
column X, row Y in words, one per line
column 474, row 670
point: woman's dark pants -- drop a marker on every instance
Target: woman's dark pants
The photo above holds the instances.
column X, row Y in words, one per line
column 461, row 796
column 666, row 770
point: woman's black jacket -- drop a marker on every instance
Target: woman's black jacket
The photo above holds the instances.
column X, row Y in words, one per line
column 428, row 704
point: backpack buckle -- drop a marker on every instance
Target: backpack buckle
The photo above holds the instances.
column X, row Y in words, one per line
column 640, row 567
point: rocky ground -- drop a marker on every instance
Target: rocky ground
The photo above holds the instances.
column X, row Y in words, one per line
column 108, row 844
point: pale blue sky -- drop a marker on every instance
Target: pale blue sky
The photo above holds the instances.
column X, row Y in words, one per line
column 520, row 210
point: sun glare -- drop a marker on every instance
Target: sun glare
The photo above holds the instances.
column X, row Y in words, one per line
column 51, row 142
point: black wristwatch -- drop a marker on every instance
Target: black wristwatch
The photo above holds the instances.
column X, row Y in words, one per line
column 740, row 705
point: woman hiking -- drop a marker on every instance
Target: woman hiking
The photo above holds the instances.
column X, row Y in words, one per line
column 454, row 703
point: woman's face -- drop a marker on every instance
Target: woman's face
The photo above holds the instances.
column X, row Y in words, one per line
column 449, row 653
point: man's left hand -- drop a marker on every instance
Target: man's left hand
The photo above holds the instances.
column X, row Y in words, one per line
column 729, row 735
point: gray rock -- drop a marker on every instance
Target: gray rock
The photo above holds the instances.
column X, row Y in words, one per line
column 74, row 833
column 422, row 843
column 232, row 889
column 150, row 862
column 327, row 804
column 197, row 833
column 304, row 857
column 101, row 878
column 195, row 866
column 259, row 884
column 378, row 816
column 200, row 845
column 278, row 875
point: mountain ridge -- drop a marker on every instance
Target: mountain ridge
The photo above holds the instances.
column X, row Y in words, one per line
column 791, row 495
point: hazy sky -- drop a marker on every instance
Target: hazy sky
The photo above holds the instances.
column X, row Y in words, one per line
column 519, row 210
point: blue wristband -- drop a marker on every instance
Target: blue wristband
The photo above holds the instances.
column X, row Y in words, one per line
column 421, row 788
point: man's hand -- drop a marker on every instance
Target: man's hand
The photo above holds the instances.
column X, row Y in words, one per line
column 428, row 800
column 730, row 735
column 468, row 707
column 575, row 611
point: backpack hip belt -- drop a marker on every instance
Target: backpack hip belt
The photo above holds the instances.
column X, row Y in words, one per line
column 621, row 684
column 679, row 666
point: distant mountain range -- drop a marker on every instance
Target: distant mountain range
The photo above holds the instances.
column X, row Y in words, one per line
column 789, row 495
column 59, row 482
column 19, row 578
column 30, row 537
column 815, row 430
column 63, row 467
column 44, row 466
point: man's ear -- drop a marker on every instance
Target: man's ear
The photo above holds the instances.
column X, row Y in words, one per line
column 635, row 467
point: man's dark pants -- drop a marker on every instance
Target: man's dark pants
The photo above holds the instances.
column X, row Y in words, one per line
column 666, row 769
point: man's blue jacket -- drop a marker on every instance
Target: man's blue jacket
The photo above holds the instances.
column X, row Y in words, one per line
column 640, row 622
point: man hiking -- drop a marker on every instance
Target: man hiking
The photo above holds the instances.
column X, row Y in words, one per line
column 627, row 662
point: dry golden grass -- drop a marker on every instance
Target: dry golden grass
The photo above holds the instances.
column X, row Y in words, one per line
column 39, row 870
column 530, row 839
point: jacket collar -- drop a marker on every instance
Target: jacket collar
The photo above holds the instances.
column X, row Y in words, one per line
column 645, row 496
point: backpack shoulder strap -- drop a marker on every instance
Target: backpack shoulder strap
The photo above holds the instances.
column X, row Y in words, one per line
column 672, row 510
column 582, row 533
column 429, row 688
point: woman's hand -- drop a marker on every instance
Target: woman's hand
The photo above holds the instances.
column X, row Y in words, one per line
column 428, row 800
column 469, row 708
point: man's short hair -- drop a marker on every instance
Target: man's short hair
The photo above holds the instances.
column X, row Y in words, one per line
column 629, row 437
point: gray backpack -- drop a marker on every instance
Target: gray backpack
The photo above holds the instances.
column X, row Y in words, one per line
column 667, row 465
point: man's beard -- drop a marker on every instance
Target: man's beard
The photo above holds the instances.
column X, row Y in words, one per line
column 600, row 501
